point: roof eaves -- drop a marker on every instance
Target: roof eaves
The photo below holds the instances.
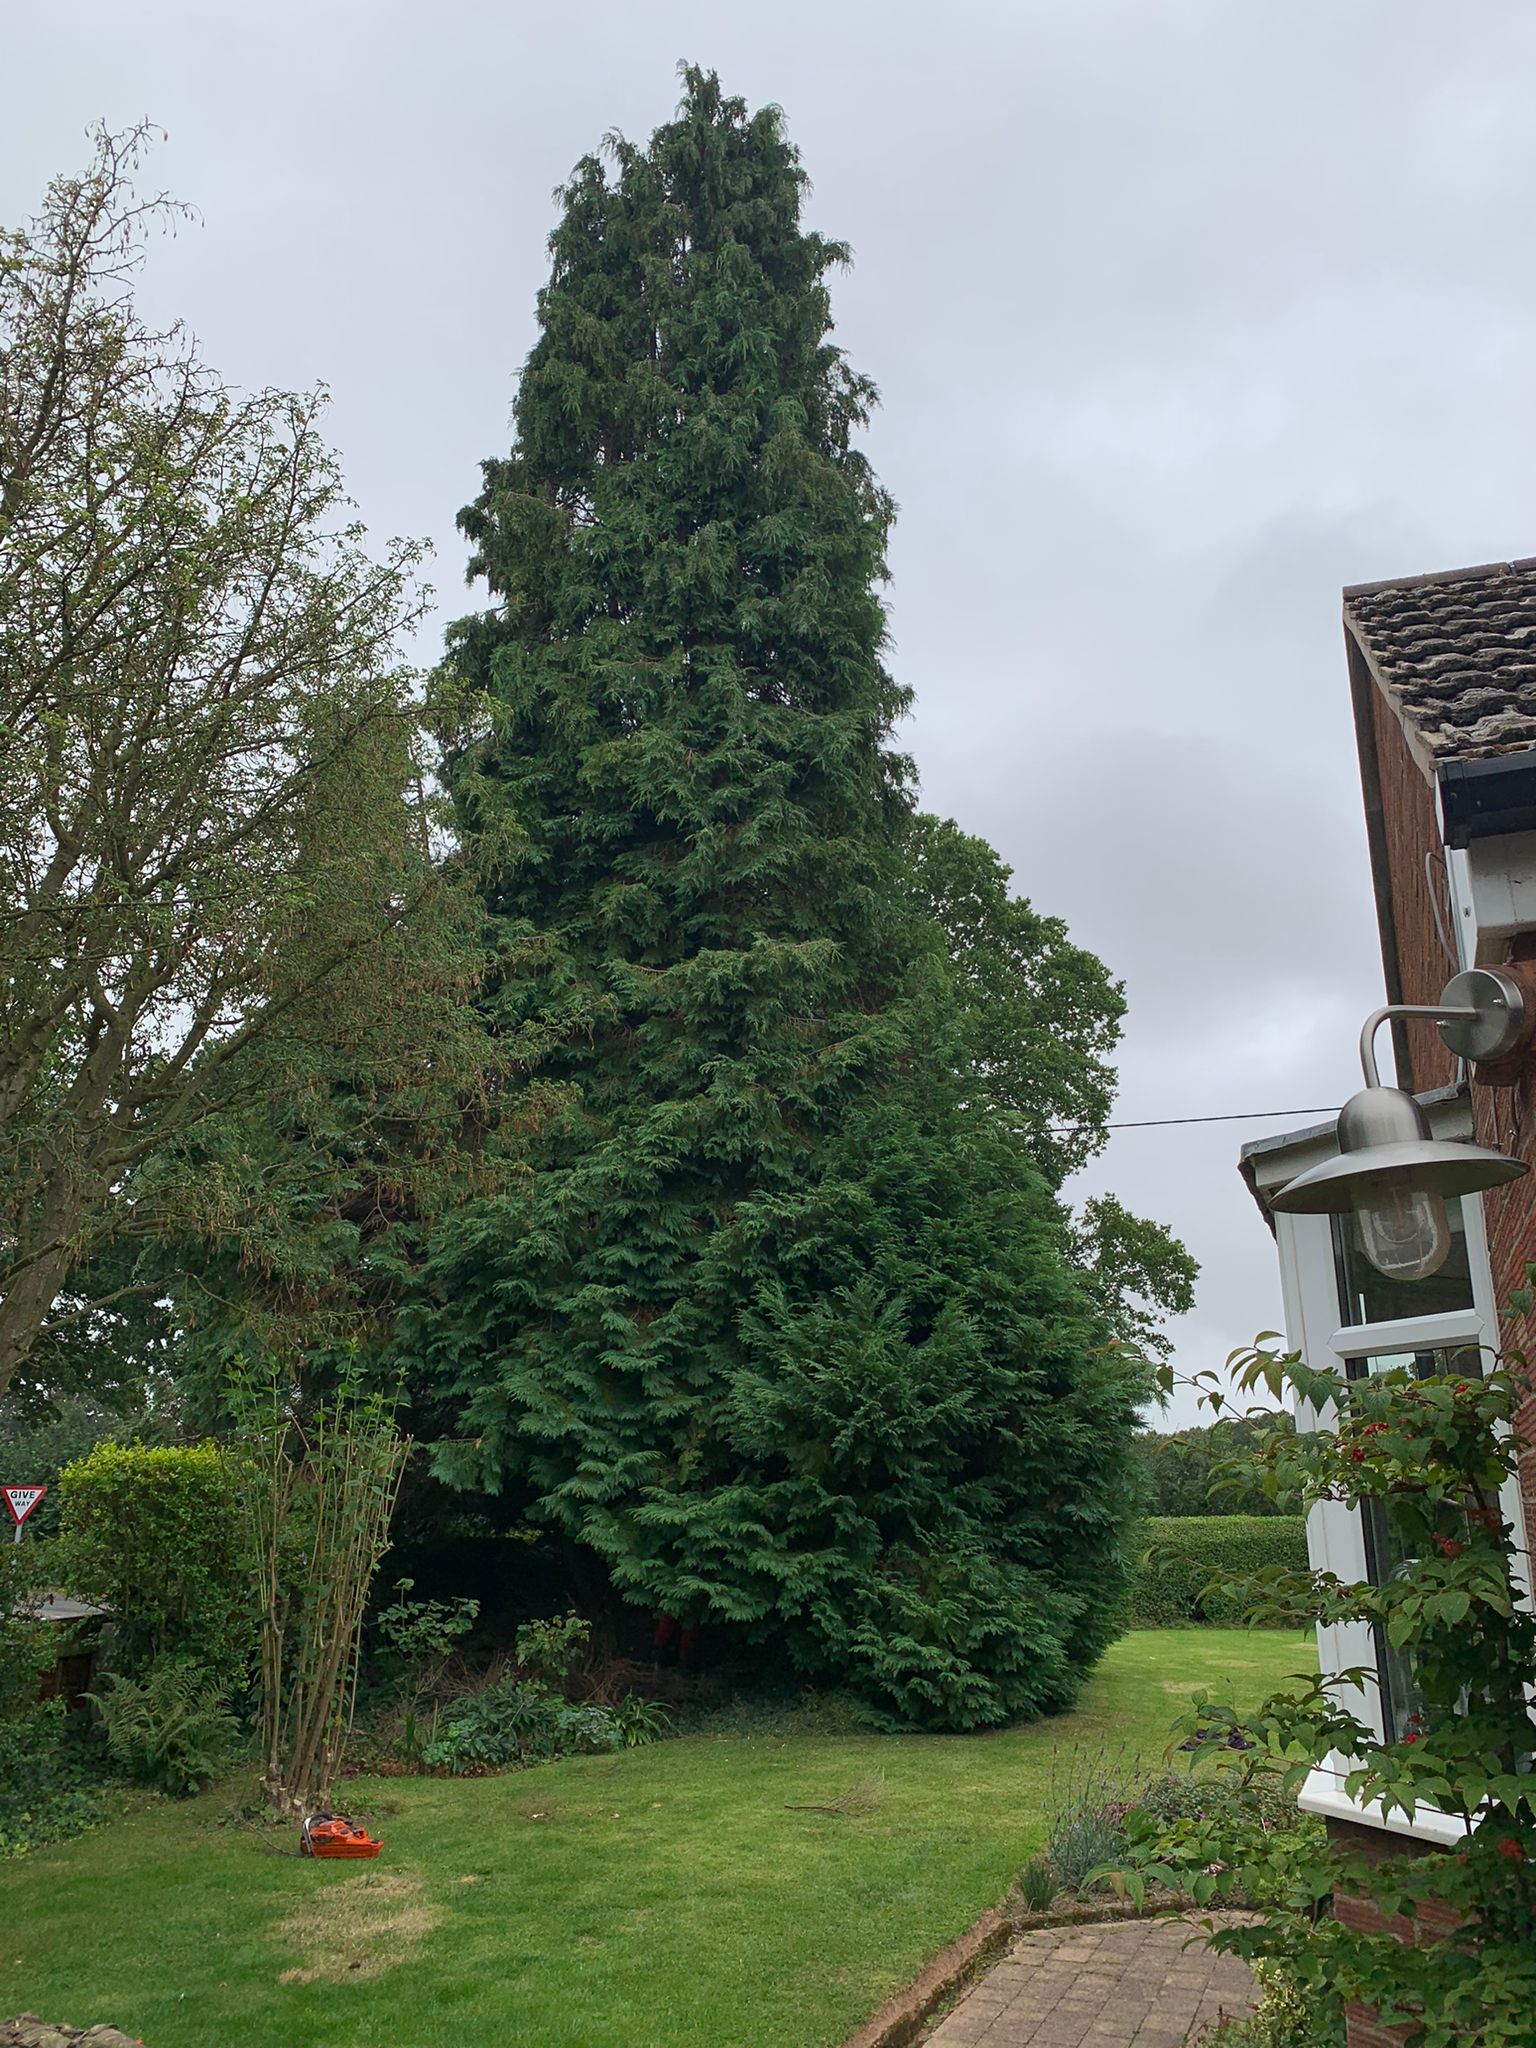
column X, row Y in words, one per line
column 1258, row 1148
column 1354, row 590
column 1356, row 629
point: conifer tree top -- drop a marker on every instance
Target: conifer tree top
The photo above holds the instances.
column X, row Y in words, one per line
column 686, row 659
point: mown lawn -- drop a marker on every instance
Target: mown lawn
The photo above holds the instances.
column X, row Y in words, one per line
column 669, row 1898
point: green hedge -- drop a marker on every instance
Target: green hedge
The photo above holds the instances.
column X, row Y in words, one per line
column 1179, row 1556
column 154, row 1534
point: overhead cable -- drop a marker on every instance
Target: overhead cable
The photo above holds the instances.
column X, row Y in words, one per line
column 1237, row 1116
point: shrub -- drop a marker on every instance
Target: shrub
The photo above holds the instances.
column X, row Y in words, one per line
column 640, row 1721
column 1261, row 1796
column 153, row 1534
column 173, row 1730
column 421, row 1635
column 1091, row 1793
column 417, row 1644
column 43, row 1797
column 41, row 1794
column 27, row 1645
column 1285, row 2017
column 519, row 1722
column 545, row 1649
column 1182, row 1573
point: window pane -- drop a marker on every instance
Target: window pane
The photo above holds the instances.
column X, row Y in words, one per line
column 1466, row 1359
column 1386, row 1559
column 1366, row 1296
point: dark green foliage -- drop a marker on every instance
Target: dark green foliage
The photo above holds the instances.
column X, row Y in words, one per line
column 546, row 1649
column 1033, row 1020
column 520, row 1723
column 1137, row 1272
column 418, row 1637
column 27, row 1645
column 172, row 1730
column 1185, row 1558
column 784, row 1323
column 153, row 1534
column 44, row 1796
column 1214, row 1470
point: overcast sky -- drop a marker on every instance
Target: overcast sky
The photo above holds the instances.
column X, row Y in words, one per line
column 1183, row 316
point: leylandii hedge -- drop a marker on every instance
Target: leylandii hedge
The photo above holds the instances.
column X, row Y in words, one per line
column 1180, row 1556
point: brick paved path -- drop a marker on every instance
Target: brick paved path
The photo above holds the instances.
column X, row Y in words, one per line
column 1105, row 1986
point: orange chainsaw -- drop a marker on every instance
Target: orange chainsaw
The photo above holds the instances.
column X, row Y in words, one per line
column 332, row 1834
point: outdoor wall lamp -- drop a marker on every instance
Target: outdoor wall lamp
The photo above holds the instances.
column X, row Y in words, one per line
column 1389, row 1169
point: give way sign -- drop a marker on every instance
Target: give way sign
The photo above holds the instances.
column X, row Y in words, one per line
column 21, row 1500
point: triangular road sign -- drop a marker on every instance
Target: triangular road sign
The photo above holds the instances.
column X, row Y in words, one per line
column 21, row 1500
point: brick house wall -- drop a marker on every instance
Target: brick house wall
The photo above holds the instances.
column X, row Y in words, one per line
column 1408, row 865
column 1365, row 2030
column 1407, row 862
column 1506, row 1117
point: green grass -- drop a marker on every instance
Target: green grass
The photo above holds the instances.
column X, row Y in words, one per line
column 667, row 1898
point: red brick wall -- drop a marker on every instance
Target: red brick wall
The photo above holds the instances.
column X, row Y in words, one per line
column 1506, row 1117
column 1434, row 1923
column 1408, row 831
column 1403, row 829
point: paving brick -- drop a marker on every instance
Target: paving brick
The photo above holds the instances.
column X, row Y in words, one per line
column 1125, row 1984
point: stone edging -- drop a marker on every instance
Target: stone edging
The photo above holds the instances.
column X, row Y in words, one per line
column 902, row 2018
column 28, row 2031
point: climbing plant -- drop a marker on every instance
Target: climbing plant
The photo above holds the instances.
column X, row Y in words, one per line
column 1427, row 1457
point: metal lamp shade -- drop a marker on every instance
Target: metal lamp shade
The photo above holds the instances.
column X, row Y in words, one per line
column 1385, row 1146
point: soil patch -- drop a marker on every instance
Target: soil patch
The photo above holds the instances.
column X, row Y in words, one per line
column 359, row 1928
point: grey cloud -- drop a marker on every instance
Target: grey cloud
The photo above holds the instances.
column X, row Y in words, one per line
column 1184, row 316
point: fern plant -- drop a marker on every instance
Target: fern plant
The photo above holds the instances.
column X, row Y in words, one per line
column 172, row 1730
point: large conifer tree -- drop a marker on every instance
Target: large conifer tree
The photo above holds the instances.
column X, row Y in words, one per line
column 782, row 1324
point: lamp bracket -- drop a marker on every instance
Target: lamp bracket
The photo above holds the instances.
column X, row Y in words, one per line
column 1482, row 1015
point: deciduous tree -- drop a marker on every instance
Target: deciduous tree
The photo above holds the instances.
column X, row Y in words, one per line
column 209, row 839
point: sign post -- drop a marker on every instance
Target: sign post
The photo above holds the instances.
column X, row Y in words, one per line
column 21, row 1500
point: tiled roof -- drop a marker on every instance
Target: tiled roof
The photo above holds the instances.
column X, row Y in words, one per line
column 1456, row 654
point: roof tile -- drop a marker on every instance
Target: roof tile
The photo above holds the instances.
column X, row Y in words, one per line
column 1453, row 654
